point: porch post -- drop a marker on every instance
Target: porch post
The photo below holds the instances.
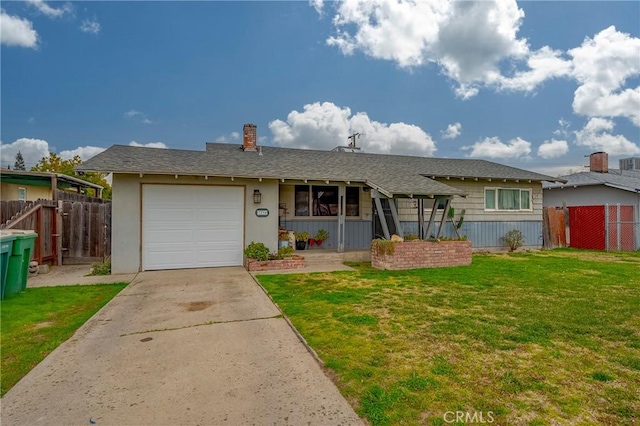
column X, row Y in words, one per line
column 444, row 215
column 431, row 217
column 394, row 214
column 383, row 220
column 342, row 207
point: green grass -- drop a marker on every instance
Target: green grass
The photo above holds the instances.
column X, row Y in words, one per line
column 534, row 338
column 35, row 322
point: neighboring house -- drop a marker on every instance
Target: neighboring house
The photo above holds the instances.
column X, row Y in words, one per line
column 181, row 209
column 30, row 186
column 588, row 193
column 599, row 186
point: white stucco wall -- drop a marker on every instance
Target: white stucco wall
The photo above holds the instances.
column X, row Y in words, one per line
column 126, row 241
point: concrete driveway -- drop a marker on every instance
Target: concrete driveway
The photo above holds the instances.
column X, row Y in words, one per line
column 197, row 347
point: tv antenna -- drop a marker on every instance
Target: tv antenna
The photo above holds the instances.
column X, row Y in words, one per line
column 352, row 137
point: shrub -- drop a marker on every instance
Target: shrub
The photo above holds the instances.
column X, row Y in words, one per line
column 383, row 247
column 101, row 268
column 285, row 252
column 514, row 239
column 411, row 237
column 302, row 236
column 257, row 251
column 322, row 234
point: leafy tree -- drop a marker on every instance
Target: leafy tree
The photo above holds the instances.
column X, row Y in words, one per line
column 19, row 164
column 55, row 164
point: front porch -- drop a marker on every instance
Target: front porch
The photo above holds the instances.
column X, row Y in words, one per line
column 355, row 215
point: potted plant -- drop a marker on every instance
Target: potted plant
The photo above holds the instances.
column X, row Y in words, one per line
column 301, row 240
column 321, row 236
column 283, row 238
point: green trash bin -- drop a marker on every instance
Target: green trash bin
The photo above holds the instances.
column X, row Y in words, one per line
column 18, row 270
column 6, row 247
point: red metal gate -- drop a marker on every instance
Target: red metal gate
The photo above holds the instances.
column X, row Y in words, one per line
column 587, row 227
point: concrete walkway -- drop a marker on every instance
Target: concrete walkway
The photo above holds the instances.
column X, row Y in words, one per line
column 74, row 275
column 201, row 347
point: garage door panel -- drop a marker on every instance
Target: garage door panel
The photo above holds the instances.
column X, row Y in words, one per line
column 192, row 226
column 221, row 237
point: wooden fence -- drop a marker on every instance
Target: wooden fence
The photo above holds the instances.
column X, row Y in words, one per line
column 74, row 196
column 12, row 209
column 68, row 232
column 86, row 232
column 555, row 226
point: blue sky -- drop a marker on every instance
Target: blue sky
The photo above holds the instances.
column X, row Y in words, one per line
column 536, row 85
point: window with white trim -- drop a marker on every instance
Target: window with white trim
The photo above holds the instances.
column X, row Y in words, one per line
column 507, row 199
column 22, row 194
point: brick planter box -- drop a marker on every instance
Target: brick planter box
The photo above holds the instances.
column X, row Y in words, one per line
column 293, row 262
column 421, row 254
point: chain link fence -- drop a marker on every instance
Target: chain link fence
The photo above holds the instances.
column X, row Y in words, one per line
column 610, row 227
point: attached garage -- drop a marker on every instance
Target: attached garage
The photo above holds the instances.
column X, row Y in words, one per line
column 191, row 226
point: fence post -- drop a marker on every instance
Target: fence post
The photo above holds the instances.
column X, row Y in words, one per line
column 619, row 227
column 59, row 225
column 636, row 215
column 606, row 227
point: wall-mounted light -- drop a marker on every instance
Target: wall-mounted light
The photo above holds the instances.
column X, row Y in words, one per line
column 257, row 196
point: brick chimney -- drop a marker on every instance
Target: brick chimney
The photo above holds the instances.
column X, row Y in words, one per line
column 250, row 140
column 599, row 162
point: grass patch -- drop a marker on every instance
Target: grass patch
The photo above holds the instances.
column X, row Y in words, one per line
column 535, row 338
column 37, row 321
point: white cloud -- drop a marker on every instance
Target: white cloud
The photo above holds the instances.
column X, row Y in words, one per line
column 553, row 149
column 476, row 44
column 466, row 39
column 325, row 126
column 84, row 152
column 563, row 128
column 16, row 31
column 318, row 5
column 602, row 66
column 453, row 131
column 90, row 26
column 543, row 65
column 494, row 148
column 231, row 137
column 137, row 114
column 596, row 136
column 149, row 144
column 49, row 11
column 32, row 151
column 558, row 171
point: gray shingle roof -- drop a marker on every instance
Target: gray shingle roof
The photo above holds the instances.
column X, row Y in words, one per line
column 393, row 174
column 626, row 180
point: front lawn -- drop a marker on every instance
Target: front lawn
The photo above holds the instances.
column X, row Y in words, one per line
column 35, row 322
column 528, row 339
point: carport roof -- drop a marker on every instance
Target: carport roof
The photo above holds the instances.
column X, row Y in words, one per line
column 393, row 175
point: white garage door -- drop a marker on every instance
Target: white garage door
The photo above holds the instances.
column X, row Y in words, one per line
column 190, row 226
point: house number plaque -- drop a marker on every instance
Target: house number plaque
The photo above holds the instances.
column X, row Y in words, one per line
column 262, row 212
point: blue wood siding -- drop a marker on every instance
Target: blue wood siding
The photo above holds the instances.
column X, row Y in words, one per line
column 357, row 232
column 488, row 234
column 482, row 234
